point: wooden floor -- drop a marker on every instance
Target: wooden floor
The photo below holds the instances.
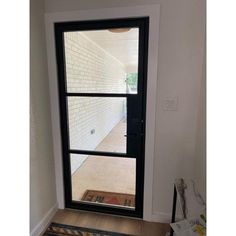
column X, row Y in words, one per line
column 110, row 223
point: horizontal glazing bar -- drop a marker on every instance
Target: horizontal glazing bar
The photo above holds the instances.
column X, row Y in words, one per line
column 98, row 94
column 97, row 153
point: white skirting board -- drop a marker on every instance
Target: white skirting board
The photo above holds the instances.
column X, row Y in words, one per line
column 41, row 226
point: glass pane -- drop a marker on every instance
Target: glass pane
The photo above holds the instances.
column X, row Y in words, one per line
column 103, row 180
column 102, row 61
column 97, row 123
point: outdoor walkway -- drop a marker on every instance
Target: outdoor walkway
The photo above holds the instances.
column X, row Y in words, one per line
column 111, row 174
column 115, row 141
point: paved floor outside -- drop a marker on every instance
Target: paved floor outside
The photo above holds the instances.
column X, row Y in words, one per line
column 111, row 174
column 115, row 141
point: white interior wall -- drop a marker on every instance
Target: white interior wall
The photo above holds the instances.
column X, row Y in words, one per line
column 181, row 49
column 42, row 176
column 180, row 62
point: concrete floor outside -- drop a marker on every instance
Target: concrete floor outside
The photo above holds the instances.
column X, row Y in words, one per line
column 110, row 174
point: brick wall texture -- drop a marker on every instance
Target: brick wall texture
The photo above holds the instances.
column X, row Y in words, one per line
column 90, row 69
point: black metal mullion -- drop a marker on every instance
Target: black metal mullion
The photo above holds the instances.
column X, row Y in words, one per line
column 98, row 94
column 71, row 26
column 142, row 90
column 60, row 28
column 60, row 54
column 99, row 153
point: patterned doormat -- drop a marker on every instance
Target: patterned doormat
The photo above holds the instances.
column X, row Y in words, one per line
column 111, row 198
column 55, row 229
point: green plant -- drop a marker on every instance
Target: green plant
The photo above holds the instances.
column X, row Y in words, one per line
column 132, row 79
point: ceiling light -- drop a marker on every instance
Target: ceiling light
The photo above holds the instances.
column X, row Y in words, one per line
column 119, row 30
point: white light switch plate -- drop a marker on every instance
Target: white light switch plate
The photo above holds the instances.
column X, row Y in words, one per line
column 170, row 104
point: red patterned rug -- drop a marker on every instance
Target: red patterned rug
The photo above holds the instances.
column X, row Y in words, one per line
column 120, row 199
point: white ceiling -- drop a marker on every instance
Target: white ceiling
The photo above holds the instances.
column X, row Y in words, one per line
column 123, row 46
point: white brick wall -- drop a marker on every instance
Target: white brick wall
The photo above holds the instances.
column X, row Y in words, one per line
column 89, row 68
column 87, row 113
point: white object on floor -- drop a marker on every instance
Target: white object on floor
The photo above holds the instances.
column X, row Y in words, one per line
column 182, row 228
column 191, row 202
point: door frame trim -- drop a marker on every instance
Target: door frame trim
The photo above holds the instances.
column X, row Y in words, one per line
column 151, row 11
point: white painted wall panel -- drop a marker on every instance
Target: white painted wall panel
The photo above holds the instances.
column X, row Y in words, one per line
column 42, row 174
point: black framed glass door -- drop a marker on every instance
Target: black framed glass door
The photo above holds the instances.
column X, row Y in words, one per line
column 102, row 74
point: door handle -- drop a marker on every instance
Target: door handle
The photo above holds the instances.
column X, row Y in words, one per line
column 135, row 120
column 130, row 135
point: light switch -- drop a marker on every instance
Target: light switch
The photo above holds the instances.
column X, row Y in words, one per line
column 170, row 104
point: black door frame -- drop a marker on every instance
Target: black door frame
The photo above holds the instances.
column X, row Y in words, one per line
column 143, row 24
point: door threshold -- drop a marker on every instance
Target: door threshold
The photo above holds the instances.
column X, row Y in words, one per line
column 100, row 213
